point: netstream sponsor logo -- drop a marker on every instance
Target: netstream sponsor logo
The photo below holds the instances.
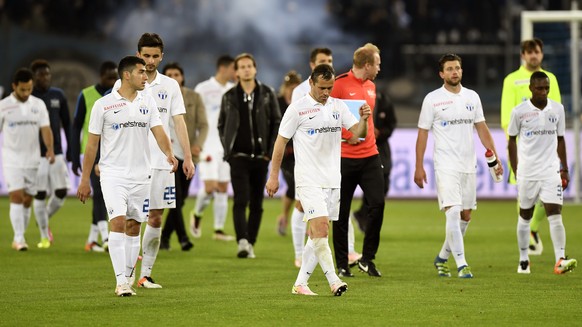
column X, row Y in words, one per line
column 459, row 121
column 326, row 129
column 541, row 132
column 129, row 124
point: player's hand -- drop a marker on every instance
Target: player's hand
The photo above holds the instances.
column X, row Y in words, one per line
column 565, row 179
column 499, row 169
column 420, row 177
column 353, row 140
column 174, row 163
column 50, row 155
column 83, row 191
column 272, row 186
column 188, row 168
column 76, row 167
column 365, row 111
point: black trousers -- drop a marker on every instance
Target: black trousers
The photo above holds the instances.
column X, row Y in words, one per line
column 99, row 211
column 367, row 173
column 248, row 177
column 175, row 218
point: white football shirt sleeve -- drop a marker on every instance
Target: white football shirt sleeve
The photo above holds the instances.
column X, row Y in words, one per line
column 513, row 128
column 479, row 116
column 289, row 122
column 155, row 118
column 426, row 117
column 561, row 121
column 96, row 119
column 177, row 105
column 44, row 117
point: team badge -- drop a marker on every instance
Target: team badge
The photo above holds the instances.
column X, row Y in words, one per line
column 470, row 106
column 143, row 109
column 34, row 110
column 553, row 119
column 163, row 94
column 335, row 115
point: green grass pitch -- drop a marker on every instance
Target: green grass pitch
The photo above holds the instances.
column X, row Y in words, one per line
column 209, row 286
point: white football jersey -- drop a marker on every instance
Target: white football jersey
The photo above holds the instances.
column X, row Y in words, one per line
column 301, row 90
column 20, row 122
column 316, row 130
column 211, row 92
column 452, row 117
column 537, row 134
column 124, row 127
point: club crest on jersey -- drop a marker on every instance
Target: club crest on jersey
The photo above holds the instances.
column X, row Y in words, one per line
column 553, row 119
column 34, row 110
column 163, row 94
column 143, row 109
column 470, row 106
column 335, row 115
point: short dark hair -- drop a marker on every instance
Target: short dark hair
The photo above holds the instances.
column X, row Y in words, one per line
column 529, row 45
column 107, row 66
column 538, row 75
column 150, row 40
column 243, row 56
column 175, row 65
column 39, row 64
column 23, row 75
column 448, row 57
column 128, row 63
column 224, row 60
column 316, row 51
column 323, row 71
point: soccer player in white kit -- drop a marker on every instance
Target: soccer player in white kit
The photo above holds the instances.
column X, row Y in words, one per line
column 170, row 103
column 315, row 123
column 540, row 124
column 452, row 112
column 122, row 121
column 22, row 116
column 212, row 169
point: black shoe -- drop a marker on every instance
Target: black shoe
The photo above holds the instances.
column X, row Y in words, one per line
column 344, row 272
column 164, row 245
column 369, row 267
column 186, row 245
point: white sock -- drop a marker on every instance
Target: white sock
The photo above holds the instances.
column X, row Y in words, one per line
column 131, row 253
column 17, row 219
column 26, row 212
column 202, row 201
column 454, row 235
column 40, row 212
column 151, row 246
column 298, row 228
column 93, row 234
column 220, row 209
column 117, row 255
column 523, row 231
column 54, row 204
column 102, row 226
column 351, row 237
column 325, row 259
column 308, row 264
column 446, row 250
column 558, row 234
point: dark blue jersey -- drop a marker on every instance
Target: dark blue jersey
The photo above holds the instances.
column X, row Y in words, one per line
column 58, row 109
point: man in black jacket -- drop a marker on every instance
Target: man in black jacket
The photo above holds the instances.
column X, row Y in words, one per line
column 248, row 124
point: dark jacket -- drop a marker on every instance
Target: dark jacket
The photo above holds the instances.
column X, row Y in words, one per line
column 268, row 118
column 385, row 122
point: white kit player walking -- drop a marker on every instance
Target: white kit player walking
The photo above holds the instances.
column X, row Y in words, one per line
column 213, row 170
column 121, row 121
column 170, row 103
column 452, row 112
column 537, row 152
column 315, row 123
column 22, row 116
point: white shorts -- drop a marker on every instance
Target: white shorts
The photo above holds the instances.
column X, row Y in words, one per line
column 21, row 179
column 54, row 176
column 214, row 170
column 162, row 189
column 126, row 199
column 456, row 189
column 319, row 202
column 548, row 191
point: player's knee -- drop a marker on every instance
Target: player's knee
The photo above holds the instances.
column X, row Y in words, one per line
column 553, row 210
column 466, row 215
column 526, row 213
column 40, row 195
column 61, row 193
column 155, row 218
column 298, row 206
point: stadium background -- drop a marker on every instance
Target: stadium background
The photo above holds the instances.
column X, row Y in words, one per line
column 76, row 36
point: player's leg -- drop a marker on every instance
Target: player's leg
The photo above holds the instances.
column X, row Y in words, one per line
column 350, row 180
column 536, row 246
column 527, row 196
column 221, row 202
column 257, row 181
column 39, row 202
column 298, row 229
column 208, row 173
column 239, row 176
column 59, row 183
